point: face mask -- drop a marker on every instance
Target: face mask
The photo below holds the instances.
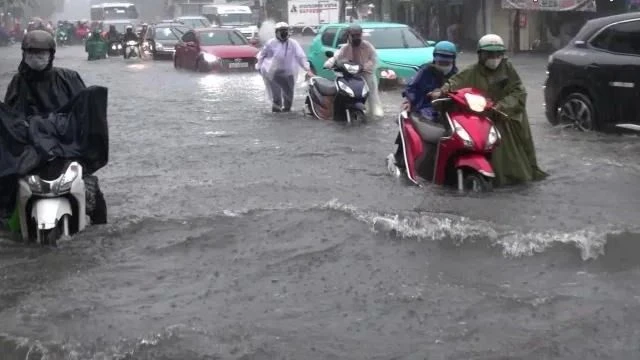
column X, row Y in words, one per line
column 493, row 63
column 444, row 69
column 356, row 42
column 283, row 35
column 37, row 61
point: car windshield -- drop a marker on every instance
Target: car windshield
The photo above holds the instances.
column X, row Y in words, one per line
column 236, row 19
column 165, row 34
column 196, row 23
column 393, row 38
column 213, row 38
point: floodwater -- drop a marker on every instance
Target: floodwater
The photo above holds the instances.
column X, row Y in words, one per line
column 235, row 233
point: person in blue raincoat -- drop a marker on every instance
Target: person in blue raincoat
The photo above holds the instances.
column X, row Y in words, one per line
column 430, row 77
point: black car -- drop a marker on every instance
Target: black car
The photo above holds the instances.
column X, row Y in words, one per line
column 594, row 81
column 164, row 37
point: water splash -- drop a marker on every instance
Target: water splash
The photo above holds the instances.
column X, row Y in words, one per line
column 267, row 30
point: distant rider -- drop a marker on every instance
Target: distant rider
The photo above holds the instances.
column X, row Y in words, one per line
column 278, row 62
column 95, row 46
column 429, row 78
column 129, row 35
column 362, row 53
column 39, row 89
column 514, row 161
column 113, row 35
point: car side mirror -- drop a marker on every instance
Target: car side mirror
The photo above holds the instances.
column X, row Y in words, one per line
column 430, row 43
column 253, row 42
column 328, row 54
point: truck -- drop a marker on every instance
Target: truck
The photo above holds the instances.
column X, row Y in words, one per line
column 239, row 17
column 306, row 16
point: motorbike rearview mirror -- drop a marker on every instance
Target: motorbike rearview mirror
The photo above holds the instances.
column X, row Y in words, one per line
column 328, row 54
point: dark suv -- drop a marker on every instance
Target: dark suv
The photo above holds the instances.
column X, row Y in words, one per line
column 594, row 81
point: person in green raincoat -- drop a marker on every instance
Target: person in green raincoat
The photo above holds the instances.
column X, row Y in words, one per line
column 96, row 46
column 514, row 160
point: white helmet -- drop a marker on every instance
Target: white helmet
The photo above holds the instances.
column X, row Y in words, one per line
column 491, row 43
column 282, row 26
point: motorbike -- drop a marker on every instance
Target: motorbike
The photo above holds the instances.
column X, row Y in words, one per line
column 62, row 38
column 342, row 99
column 54, row 199
column 115, row 48
column 453, row 151
column 131, row 49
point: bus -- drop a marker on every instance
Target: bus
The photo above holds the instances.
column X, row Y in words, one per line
column 114, row 11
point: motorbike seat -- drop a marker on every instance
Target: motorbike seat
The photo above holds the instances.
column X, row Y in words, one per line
column 324, row 86
column 430, row 131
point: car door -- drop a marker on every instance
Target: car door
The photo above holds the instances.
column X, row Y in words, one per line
column 321, row 45
column 617, row 68
column 190, row 50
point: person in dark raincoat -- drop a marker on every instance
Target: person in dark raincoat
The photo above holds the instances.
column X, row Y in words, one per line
column 95, row 46
column 514, row 160
column 429, row 78
column 39, row 88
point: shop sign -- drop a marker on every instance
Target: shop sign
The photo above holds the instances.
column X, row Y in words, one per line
column 550, row 5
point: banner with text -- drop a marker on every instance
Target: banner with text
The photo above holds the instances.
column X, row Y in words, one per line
column 550, row 5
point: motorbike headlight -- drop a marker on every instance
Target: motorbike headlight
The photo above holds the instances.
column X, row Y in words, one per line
column 352, row 69
column 492, row 138
column 63, row 183
column 119, row 46
column 475, row 102
column 131, row 43
column 209, row 57
column 365, row 90
column 463, row 134
column 344, row 87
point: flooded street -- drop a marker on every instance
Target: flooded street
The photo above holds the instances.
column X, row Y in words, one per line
column 235, row 233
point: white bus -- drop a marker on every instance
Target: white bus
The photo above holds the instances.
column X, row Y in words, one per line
column 239, row 17
column 114, row 11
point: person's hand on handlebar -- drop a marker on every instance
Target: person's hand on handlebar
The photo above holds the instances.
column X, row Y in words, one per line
column 436, row 94
column 406, row 105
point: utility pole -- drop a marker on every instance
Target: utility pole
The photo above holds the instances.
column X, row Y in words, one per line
column 341, row 8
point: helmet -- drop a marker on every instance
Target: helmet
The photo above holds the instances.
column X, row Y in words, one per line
column 355, row 29
column 129, row 28
column 491, row 43
column 38, row 40
column 282, row 26
column 445, row 48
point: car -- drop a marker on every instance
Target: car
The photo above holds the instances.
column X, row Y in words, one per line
column 164, row 37
column 210, row 49
column 594, row 81
column 401, row 51
column 194, row 22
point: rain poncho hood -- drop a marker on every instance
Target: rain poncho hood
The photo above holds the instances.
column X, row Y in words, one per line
column 514, row 160
column 364, row 55
column 96, row 46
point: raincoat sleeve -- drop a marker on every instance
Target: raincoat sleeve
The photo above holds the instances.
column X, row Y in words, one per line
column 372, row 59
column 301, row 57
column 514, row 102
column 460, row 80
column 336, row 56
column 414, row 87
column 12, row 95
column 264, row 53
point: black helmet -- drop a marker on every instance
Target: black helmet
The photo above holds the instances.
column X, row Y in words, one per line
column 38, row 40
column 355, row 29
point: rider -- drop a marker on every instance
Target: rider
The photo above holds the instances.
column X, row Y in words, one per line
column 362, row 53
column 96, row 46
column 278, row 63
column 113, row 35
column 129, row 35
column 430, row 77
column 39, row 88
column 514, row 161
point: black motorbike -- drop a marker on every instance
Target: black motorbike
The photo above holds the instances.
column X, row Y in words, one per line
column 342, row 99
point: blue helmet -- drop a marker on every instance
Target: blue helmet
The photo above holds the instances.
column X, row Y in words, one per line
column 445, row 48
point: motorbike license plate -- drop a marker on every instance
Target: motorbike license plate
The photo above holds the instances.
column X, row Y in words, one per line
column 238, row 65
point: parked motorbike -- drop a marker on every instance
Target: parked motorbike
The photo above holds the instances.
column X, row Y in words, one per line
column 52, row 202
column 342, row 99
column 131, row 49
column 456, row 149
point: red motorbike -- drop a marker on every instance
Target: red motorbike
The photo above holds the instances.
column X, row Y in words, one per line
column 454, row 151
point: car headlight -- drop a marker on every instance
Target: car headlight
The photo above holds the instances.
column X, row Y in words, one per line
column 159, row 46
column 463, row 134
column 492, row 138
column 344, row 87
column 209, row 58
column 388, row 74
column 63, row 183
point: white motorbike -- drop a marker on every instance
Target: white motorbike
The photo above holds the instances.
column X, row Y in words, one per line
column 131, row 49
column 632, row 127
column 52, row 202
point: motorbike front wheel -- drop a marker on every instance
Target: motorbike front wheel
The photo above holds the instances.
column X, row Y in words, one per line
column 477, row 183
column 356, row 116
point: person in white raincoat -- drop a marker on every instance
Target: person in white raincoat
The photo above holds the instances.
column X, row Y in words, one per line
column 362, row 53
column 279, row 63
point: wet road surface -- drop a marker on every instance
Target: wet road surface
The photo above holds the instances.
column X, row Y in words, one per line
column 239, row 234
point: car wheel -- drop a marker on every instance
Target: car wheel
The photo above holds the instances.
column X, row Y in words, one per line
column 201, row 66
column 577, row 109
